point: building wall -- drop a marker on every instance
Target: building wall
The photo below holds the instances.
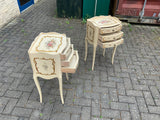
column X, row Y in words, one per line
column 36, row 1
column 9, row 9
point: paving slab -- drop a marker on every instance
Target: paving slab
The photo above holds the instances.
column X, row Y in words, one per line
column 128, row 89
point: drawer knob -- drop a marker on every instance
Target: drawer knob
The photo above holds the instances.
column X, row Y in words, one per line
column 113, row 30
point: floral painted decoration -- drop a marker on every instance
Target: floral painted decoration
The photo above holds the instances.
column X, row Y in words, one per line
column 50, row 43
column 104, row 21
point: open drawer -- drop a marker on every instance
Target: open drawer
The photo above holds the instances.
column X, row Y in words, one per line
column 73, row 64
column 68, row 56
column 111, row 37
column 110, row 44
column 113, row 29
column 63, row 54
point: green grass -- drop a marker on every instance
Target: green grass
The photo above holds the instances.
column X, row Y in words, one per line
column 84, row 21
column 89, row 69
column 25, row 34
column 41, row 114
column 25, row 41
column 67, row 22
column 55, row 11
column 153, row 30
column 65, row 82
column 109, row 102
column 71, row 27
column 100, row 116
column 50, row 102
column 22, row 30
column 130, row 27
column 22, row 20
column 5, row 40
column 71, row 17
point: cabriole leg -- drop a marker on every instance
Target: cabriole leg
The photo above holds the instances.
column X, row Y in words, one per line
column 104, row 51
column 94, row 55
column 61, row 89
column 114, row 51
column 86, row 49
column 67, row 76
column 38, row 87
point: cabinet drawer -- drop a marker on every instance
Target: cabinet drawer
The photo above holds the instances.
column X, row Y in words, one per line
column 110, row 29
column 69, row 55
column 111, row 37
column 110, row 44
column 73, row 64
column 64, row 52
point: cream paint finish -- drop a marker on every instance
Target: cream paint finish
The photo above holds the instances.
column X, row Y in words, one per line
column 105, row 32
column 47, row 54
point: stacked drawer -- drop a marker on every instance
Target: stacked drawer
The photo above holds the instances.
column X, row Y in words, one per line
column 69, row 58
column 104, row 31
column 110, row 36
column 52, row 43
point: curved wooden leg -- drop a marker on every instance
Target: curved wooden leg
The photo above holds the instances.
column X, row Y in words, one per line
column 67, row 76
column 104, row 51
column 94, row 55
column 86, row 49
column 114, row 51
column 61, row 89
column 38, row 87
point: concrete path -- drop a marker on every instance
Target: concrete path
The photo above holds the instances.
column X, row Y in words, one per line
column 127, row 90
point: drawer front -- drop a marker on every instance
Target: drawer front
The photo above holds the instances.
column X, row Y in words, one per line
column 63, row 54
column 110, row 29
column 68, row 56
column 111, row 37
column 110, row 44
column 73, row 64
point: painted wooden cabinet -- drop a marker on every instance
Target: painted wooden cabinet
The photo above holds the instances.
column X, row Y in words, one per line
column 52, row 54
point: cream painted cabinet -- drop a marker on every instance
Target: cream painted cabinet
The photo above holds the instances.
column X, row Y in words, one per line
column 104, row 31
column 51, row 54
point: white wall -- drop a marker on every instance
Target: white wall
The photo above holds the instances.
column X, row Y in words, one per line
column 9, row 9
column 36, row 1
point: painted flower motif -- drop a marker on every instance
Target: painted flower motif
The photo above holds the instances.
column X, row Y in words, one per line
column 50, row 43
column 104, row 21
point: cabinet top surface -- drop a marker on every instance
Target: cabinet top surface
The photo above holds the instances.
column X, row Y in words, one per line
column 105, row 21
column 49, row 42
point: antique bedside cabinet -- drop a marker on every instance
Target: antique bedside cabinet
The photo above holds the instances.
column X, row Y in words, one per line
column 104, row 31
column 51, row 54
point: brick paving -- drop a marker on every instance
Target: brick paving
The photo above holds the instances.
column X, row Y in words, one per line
column 127, row 90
